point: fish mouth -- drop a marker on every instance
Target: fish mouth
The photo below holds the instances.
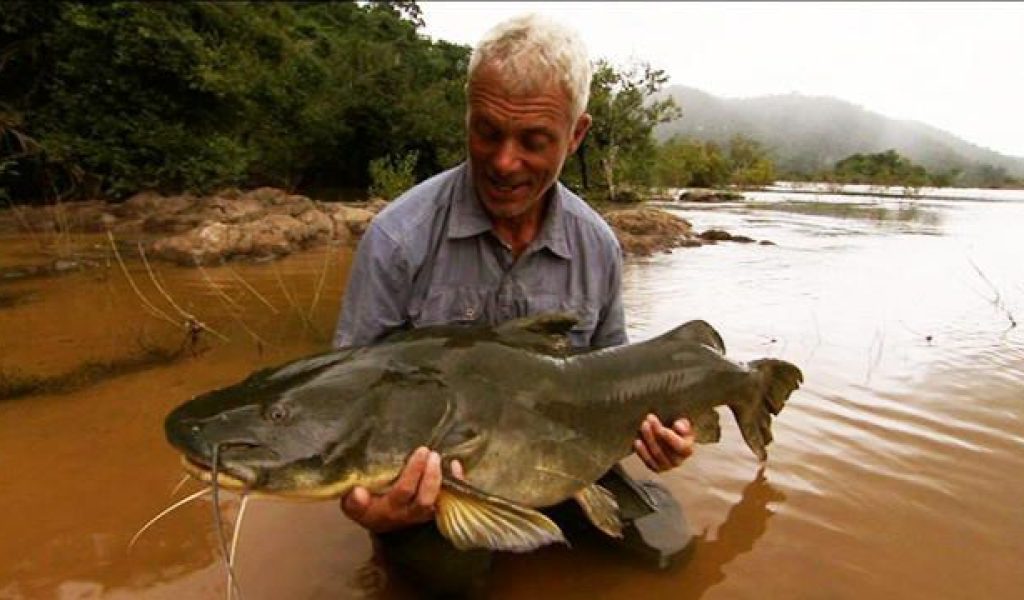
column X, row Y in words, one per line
column 229, row 477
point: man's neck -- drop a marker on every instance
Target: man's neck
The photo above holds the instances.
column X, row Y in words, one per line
column 519, row 232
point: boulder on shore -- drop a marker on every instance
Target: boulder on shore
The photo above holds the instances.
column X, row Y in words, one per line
column 644, row 231
column 263, row 223
column 709, row 195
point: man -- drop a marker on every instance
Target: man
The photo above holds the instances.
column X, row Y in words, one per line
column 494, row 239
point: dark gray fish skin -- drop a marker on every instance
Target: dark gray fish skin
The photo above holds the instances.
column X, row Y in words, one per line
column 530, row 424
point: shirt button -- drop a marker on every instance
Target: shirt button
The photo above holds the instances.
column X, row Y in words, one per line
column 470, row 313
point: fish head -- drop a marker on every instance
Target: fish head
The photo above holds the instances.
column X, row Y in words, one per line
column 313, row 428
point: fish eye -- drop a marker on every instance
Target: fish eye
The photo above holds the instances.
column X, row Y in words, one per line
column 277, row 413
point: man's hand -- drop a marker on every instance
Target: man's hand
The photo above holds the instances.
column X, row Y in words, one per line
column 662, row 448
column 409, row 501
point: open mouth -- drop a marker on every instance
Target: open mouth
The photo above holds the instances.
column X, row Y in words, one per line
column 225, row 479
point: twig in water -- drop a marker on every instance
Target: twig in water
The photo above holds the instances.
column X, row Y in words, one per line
column 131, row 281
column 295, row 306
column 253, row 291
column 228, row 303
column 191, row 322
column 320, row 283
column 997, row 300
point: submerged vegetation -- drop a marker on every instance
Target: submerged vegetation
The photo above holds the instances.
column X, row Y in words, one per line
column 16, row 383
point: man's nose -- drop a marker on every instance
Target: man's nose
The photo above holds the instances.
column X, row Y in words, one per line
column 508, row 158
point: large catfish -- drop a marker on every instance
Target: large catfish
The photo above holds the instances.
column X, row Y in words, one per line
column 532, row 423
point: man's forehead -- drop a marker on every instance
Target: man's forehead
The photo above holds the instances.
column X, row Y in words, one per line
column 493, row 94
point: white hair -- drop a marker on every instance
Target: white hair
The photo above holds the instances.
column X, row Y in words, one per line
column 530, row 51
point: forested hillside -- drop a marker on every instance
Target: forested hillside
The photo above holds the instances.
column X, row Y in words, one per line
column 806, row 134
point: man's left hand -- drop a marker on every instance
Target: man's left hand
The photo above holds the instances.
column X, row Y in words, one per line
column 663, row 448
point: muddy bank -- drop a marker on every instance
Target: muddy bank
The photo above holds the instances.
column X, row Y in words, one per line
column 263, row 224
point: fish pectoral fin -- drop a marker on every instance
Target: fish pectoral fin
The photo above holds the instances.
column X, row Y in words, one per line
column 470, row 518
column 706, row 429
column 601, row 508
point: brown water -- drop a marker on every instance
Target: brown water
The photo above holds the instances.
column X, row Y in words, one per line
column 896, row 470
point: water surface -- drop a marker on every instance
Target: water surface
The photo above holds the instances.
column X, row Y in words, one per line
column 895, row 471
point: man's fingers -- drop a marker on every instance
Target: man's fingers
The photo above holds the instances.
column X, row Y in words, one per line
column 430, row 484
column 355, row 503
column 641, row 451
column 677, row 443
column 457, row 471
column 650, row 433
column 408, row 482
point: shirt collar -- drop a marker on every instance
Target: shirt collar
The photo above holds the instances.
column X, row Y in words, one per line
column 469, row 218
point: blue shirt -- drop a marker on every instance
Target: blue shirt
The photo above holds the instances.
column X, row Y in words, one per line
column 431, row 257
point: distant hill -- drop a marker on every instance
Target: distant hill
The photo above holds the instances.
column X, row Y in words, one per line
column 809, row 133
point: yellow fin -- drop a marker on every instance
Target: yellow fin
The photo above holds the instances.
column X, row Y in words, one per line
column 601, row 508
column 471, row 518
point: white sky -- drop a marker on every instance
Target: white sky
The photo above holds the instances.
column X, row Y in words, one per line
column 956, row 66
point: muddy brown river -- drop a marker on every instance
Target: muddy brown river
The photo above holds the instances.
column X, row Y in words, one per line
column 897, row 470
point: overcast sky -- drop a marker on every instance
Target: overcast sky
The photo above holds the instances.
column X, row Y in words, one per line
column 957, row 66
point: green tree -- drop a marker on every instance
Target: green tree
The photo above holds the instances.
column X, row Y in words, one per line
column 621, row 145
column 190, row 95
column 749, row 163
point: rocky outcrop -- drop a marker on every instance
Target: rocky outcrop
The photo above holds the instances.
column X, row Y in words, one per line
column 262, row 223
column 644, row 231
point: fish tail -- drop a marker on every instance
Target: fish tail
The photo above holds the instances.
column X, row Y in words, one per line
column 775, row 381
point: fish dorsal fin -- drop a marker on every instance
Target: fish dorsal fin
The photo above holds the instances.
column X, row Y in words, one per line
column 470, row 518
column 601, row 508
column 548, row 333
column 699, row 332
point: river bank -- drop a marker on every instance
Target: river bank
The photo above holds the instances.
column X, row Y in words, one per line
column 261, row 224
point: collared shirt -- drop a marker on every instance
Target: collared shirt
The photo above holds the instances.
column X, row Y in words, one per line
column 431, row 257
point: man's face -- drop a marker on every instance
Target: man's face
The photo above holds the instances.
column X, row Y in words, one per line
column 518, row 143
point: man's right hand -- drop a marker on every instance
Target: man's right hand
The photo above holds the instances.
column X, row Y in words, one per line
column 410, row 500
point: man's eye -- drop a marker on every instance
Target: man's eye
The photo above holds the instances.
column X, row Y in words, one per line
column 536, row 143
column 486, row 131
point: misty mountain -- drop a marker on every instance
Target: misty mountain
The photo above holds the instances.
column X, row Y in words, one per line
column 809, row 133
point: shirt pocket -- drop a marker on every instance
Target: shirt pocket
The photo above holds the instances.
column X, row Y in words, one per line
column 452, row 305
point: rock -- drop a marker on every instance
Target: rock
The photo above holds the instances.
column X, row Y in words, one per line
column 351, row 219
column 642, row 231
column 742, row 239
column 766, row 243
column 715, row 235
column 708, row 195
column 232, row 210
column 375, row 205
column 318, row 225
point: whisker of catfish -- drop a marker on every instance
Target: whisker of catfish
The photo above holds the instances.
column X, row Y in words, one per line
column 238, row 529
column 177, row 488
column 164, row 513
column 215, row 485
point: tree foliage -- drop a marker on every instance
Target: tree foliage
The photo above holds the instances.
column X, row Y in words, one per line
column 682, row 162
column 620, row 145
column 122, row 96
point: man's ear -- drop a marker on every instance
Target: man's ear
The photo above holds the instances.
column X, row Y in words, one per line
column 579, row 131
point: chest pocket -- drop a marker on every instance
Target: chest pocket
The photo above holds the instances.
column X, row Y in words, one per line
column 451, row 305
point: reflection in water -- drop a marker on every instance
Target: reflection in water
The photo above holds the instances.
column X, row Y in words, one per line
column 746, row 522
